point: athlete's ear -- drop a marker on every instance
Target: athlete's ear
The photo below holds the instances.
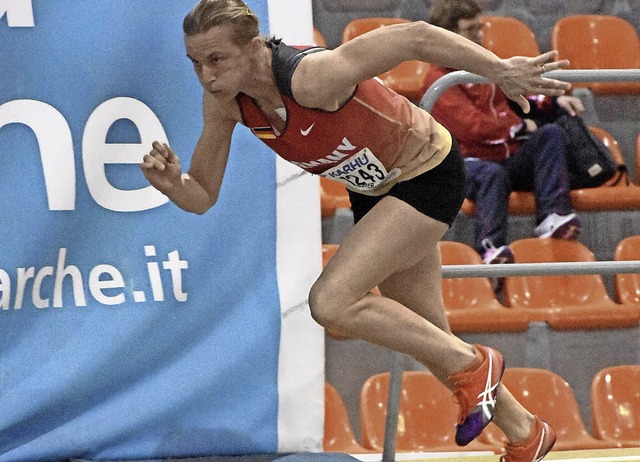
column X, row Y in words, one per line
column 256, row 44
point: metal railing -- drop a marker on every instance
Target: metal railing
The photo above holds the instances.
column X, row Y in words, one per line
column 504, row 270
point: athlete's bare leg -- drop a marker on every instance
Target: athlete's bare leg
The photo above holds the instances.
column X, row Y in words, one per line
column 394, row 247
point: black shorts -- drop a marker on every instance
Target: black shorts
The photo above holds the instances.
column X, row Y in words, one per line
column 437, row 193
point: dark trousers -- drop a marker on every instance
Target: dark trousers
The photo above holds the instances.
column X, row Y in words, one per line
column 539, row 166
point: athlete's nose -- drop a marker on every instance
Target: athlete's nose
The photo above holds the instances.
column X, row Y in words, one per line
column 208, row 75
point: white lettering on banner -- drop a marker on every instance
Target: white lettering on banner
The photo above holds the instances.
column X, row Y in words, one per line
column 56, row 151
column 19, row 12
column 56, row 147
column 96, row 153
column 102, row 277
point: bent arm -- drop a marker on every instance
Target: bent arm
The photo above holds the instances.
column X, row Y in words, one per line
column 196, row 191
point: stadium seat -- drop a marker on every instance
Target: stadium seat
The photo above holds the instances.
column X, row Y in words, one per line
column 576, row 301
column 427, row 416
column 547, row 395
column 333, row 196
column 471, row 303
column 407, row 78
column 612, row 195
column 318, row 38
column 638, row 158
column 507, row 36
column 627, row 286
column 338, row 433
column 594, row 41
column 615, row 405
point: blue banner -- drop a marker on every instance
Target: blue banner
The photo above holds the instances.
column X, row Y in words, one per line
column 128, row 327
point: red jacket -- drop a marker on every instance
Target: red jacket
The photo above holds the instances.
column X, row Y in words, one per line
column 478, row 116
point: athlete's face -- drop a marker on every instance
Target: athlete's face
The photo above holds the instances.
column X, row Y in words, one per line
column 220, row 64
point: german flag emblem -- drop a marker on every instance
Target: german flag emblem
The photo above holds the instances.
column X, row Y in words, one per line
column 264, row 133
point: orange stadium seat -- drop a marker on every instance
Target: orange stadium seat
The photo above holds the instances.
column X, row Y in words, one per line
column 507, row 36
column 333, row 196
column 620, row 195
column 599, row 42
column 627, row 286
column 426, row 420
column 471, row 303
column 319, row 39
column 575, row 301
column 638, row 158
column 547, row 395
column 407, row 78
column 338, row 433
column 615, row 405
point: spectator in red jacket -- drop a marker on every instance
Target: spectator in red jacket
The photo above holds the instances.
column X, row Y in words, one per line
column 504, row 151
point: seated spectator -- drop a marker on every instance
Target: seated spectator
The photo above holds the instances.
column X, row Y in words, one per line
column 504, row 151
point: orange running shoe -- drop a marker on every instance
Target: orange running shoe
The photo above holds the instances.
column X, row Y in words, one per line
column 534, row 448
column 475, row 392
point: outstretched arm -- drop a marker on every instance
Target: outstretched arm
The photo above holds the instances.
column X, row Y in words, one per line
column 322, row 76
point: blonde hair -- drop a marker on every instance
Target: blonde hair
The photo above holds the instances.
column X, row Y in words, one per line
column 210, row 13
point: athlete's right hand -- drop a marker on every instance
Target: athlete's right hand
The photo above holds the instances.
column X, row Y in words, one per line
column 162, row 167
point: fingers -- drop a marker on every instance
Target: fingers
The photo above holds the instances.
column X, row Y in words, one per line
column 523, row 103
column 159, row 157
column 545, row 57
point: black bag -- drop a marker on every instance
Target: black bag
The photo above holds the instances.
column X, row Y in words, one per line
column 589, row 161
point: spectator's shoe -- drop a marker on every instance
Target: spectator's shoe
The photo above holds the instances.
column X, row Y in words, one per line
column 559, row 226
column 496, row 255
column 534, row 448
column 475, row 392
column 492, row 256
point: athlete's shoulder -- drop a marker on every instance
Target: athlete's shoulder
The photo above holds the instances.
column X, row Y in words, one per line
column 285, row 61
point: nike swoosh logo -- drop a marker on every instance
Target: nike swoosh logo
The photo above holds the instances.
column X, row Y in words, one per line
column 306, row 132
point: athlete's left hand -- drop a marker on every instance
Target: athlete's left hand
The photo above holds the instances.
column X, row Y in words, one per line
column 523, row 76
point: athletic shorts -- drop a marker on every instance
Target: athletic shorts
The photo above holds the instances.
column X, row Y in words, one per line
column 437, row 193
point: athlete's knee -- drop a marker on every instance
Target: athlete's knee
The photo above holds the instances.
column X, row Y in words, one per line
column 321, row 305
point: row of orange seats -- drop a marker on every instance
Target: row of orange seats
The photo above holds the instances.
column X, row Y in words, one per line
column 588, row 41
column 428, row 414
column 564, row 302
column 615, row 194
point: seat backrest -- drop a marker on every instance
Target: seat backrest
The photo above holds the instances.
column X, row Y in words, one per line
column 427, row 412
column 638, row 156
column 464, row 292
column 553, row 291
column 360, row 26
column 627, row 286
column 333, row 195
column 615, row 403
column 318, row 38
column 338, row 433
column 507, row 36
column 547, row 395
column 408, row 77
column 614, row 148
column 594, row 41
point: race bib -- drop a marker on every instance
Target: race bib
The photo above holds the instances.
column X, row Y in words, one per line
column 362, row 172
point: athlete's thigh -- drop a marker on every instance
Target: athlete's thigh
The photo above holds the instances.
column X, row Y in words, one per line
column 392, row 237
